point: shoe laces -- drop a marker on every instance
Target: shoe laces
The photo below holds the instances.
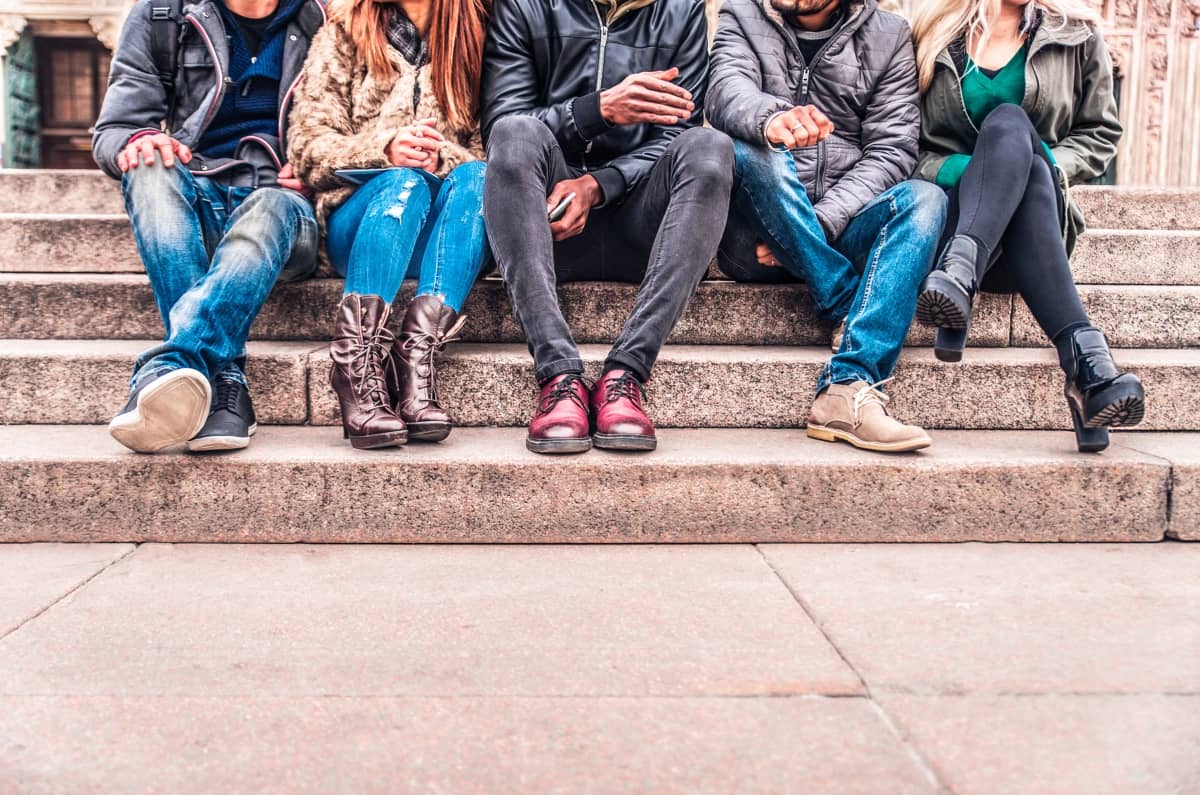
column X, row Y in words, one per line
column 226, row 398
column 626, row 385
column 871, row 393
column 430, row 345
column 366, row 365
column 564, row 390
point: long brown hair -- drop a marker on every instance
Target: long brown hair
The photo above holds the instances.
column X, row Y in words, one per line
column 456, row 35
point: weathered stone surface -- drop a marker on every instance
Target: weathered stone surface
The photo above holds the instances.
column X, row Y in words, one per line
column 1130, row 316
column 604, row 746
column 1139, row 208
column 1056, row 744
column 772, row 387
column 67, row 244
column 84, row 381
column 1182, row 451
column 429, row 621
column 1107, row 256
column 34, row 576
column 1010, row 619
column 306, row 484
column 59, row 191
column 121, row 306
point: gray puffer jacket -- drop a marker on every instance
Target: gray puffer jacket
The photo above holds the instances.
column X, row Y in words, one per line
column 864, row 79
column 137, row 100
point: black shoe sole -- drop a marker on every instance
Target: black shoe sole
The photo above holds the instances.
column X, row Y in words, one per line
column 377, row 441
column 1122, row 413
column 612, row 441
column 558, row 446
column 428, row 431
column 942, row 303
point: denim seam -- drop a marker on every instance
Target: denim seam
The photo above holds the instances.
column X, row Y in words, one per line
column 653, row 267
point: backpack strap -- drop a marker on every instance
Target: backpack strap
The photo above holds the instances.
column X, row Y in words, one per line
column 166, row 29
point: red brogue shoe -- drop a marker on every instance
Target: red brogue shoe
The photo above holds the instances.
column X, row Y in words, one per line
column 621, row 422
column 560, row 424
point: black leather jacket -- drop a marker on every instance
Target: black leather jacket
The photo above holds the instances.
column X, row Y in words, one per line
column 550, row 58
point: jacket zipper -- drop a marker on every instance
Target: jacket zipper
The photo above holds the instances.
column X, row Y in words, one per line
column 220, row 94
column 599, row 66
column 804, row 79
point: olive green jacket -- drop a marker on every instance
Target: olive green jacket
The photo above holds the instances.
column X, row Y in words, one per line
column 1068, row 96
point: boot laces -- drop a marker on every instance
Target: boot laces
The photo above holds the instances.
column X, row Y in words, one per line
column 564, row 390
column 625, row 385
column 871, row 393
column 366, row 364
column 429, row 345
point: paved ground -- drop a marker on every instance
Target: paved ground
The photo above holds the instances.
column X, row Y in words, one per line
column 825, row 668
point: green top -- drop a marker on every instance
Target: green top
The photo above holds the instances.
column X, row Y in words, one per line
column 981, row 95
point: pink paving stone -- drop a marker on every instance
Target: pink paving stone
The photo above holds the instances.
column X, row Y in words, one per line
column 234, row 620
column 35, row 576
column 1145, row 744
column 1182, row 451
column 975, row 618
column 458, row 745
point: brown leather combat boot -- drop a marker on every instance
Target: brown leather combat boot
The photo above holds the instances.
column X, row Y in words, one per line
column 361, row 344
column 429, row 325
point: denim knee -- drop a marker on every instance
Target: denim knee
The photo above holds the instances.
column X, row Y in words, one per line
column 516, row 141
column 924, row 204
column 149, row 185
column 468, row 180
column 269, row 214
column 706, row 154
column 399, row 188
column 761, row 166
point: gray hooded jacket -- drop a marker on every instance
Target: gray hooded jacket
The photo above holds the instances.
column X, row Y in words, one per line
column 137, row 100
column 864, row 79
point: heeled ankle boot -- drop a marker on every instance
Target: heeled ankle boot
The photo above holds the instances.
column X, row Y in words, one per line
column 361, row 344
column 429, row 325
column 947, row 294
column 1099, row 395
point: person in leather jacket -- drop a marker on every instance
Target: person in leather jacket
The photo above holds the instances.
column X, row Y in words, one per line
column 599, row 169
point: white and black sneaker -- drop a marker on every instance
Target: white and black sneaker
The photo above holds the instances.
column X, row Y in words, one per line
column 231, row 420
column 165, row 409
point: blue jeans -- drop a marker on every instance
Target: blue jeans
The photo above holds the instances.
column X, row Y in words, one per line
column 407, row 222
column 213, row 253
column 868, row 277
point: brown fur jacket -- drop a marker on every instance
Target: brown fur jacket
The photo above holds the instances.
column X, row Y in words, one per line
column 344, row 117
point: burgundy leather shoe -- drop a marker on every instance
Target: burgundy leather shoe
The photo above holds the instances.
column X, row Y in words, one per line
column 621, row 422
column 560, row 424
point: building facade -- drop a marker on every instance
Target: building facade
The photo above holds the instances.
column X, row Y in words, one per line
column 56, row 55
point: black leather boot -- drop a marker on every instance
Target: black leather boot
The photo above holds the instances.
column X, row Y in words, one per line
column 1099, row 395
column 947, row 294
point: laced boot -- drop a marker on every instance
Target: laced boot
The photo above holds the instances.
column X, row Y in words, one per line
column 429, row 325
column 1099, row 395
column 621, row 422
column 361, row 344
column 858, row 413
column 947, row 294
column 561, row 424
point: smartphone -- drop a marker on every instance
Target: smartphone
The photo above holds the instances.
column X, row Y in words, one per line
column 558, row 212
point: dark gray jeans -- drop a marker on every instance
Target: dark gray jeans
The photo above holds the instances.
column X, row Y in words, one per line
column 663, row 235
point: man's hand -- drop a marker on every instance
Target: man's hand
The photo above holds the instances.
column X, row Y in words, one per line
column 587, row 195
column 765, row 256
column 647, row 98
column 287, row 179
column 416, row 146
column 149, row 147
column 799, row 127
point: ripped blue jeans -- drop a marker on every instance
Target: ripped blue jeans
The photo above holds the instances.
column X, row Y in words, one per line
column 213, row 253
column 408, row 223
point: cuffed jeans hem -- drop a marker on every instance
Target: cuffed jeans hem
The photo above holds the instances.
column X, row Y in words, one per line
column 829, row 376
column 631, row 363
column 557, row 368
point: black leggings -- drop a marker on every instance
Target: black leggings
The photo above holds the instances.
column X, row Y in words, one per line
column 1009, row 200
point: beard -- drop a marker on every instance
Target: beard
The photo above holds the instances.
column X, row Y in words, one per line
column 801, row 8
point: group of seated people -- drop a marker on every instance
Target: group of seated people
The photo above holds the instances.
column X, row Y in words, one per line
column 896, row 171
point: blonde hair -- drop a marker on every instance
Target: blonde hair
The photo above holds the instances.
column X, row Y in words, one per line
column 936, row 24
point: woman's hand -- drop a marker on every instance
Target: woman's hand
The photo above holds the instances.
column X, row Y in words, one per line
column 416, row 146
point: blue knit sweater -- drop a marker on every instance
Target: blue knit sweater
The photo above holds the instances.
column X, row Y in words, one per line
column 251, row 102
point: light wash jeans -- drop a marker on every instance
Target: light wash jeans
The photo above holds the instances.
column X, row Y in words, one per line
column 868, row 277
column 407, row 222
column 213, row 253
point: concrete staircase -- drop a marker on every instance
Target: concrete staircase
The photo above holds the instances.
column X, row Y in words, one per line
column 731, row 389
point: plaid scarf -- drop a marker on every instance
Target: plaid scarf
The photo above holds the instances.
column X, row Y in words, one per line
column 404, row 36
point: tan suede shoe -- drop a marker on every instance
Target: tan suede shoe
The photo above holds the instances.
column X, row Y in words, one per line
column 857, row 413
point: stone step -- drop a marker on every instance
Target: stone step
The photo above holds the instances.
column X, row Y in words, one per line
column 101, row 243
column 302, row 484
column 71, row 381
column 49, row 191
column 121, row 306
